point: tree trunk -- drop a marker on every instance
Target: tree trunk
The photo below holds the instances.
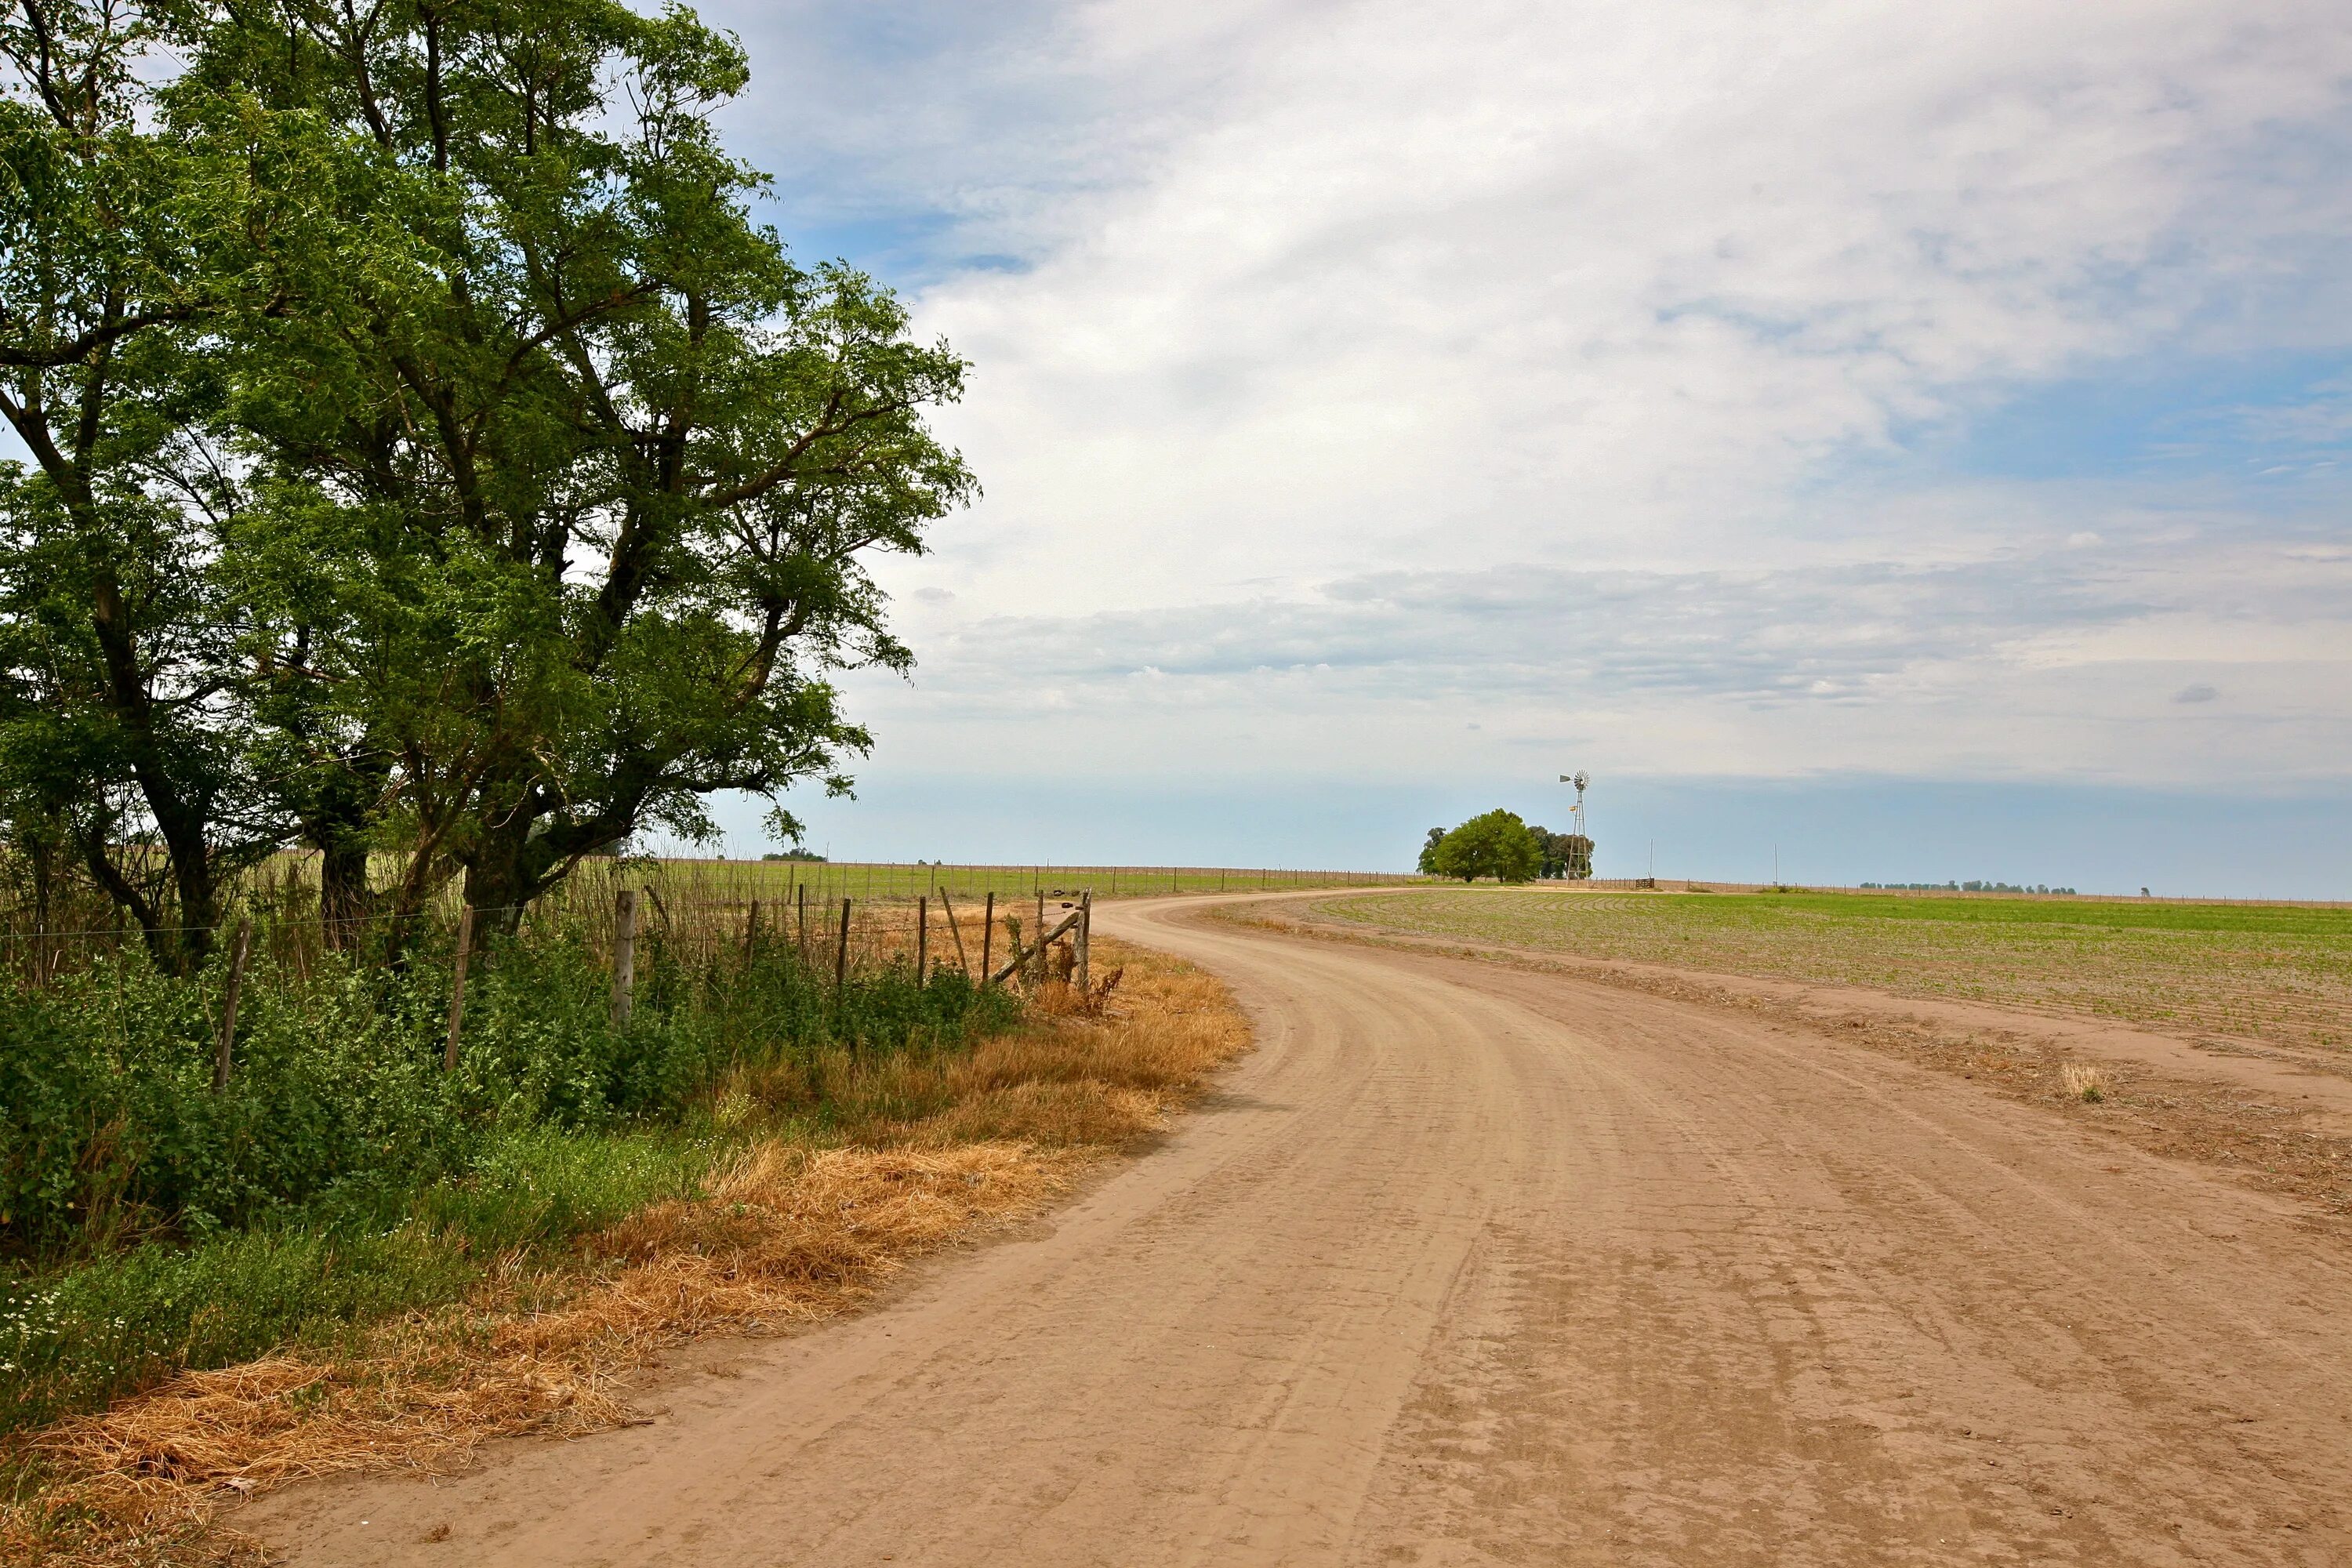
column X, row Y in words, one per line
column 345, row 899
column 505, row 869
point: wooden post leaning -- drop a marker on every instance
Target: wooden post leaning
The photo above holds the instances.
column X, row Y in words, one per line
column 228, row 1005
column 1035, row 955
column 987, row 935
column 457, row 987
column 841, row 951
column 625, row 955
column 955, row 930
column 1085, row 937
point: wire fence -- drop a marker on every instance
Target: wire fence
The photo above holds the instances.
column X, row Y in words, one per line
column 692, row 911
column 695, row 908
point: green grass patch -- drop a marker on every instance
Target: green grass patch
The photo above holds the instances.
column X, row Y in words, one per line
column 2117, row 914
column 2274, row 973
column 76, row 1337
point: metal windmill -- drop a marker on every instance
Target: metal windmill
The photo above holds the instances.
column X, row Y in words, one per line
column 1579, row 779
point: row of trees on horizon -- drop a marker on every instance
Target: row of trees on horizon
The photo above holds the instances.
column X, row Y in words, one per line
column 431, row 461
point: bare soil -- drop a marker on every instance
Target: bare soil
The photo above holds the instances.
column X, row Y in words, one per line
column 1474, row 1264
column 2276, row 1112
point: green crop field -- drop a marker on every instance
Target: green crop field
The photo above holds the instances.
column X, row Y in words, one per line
column 2269, row 971
column 736, row 880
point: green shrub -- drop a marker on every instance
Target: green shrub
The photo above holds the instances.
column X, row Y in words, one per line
column 148, row 1223
column 74, row 1338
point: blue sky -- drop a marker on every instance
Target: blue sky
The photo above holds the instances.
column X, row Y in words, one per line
column 1836, row 831
column 1914, row 437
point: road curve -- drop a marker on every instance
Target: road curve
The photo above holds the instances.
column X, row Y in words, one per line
column 1472, row 1266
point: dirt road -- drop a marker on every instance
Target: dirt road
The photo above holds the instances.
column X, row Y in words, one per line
column 1472, row 1266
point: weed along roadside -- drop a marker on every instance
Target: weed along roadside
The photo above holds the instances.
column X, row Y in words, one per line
column 465, row 1197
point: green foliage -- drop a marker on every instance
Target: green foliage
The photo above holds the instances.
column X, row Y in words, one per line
column 151, row 1222
column 431, row 452
column 566, row 471
column 1497, row 844
column 72, row 1338
column 117, row 237
column 1567, row 856
column 110, row 1126
column 1427, row 862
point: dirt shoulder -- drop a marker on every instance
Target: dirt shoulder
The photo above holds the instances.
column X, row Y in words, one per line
column 2279, row 1114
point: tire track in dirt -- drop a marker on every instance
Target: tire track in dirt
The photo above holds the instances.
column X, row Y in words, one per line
column 1468, row 1265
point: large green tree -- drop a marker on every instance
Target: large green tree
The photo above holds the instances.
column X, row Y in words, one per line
column 1495, row 844
column 569, row 472
column 433, row 454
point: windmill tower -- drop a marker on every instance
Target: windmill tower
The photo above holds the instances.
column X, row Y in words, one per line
column 1579, row 779
column 1582, row 857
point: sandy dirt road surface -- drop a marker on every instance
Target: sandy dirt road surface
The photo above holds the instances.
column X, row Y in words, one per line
column 1467, row 1265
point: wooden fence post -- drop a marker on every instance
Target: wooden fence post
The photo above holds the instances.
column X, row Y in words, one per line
column 987, row 934
column 955, row 930
column 800, row 939
column 458, row 986
column 1037, row 939
column 228, row 1005
column 1086, row 933
column 751, row 932
column 841, row 952
column 625, row 955
column 922, row 936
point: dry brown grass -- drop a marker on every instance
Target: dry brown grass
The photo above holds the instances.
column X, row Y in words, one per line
column 2082, row 1081
column 790, row 1232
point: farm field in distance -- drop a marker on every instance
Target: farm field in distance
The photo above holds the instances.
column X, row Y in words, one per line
column 2277, row 974
column 738, row 880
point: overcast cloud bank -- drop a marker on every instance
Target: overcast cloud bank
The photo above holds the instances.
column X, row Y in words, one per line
column 1687, row 389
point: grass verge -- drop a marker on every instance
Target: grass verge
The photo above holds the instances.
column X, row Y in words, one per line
column 769, row 1220
column 2273, row 974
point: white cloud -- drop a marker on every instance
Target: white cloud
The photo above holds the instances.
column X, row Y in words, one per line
column 2014, row 667
column 1368, row 361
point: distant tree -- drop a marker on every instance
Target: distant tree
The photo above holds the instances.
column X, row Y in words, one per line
column 1428, row 863
column 1497, row 844
column 1565, row 856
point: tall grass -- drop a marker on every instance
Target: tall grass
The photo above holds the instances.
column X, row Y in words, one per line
column 150, row 1223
